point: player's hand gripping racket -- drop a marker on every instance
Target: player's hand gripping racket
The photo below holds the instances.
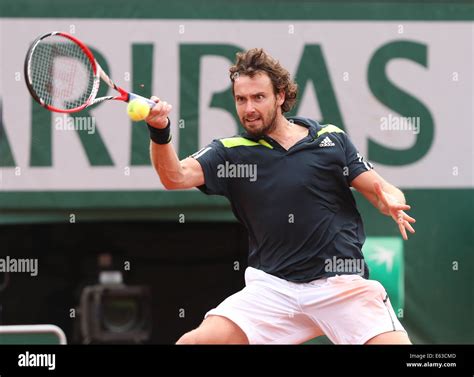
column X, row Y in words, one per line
column 63, row 76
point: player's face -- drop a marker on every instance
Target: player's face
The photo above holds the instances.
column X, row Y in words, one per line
column 256, row 103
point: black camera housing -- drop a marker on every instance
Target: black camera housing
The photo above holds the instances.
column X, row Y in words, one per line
column 115, row 313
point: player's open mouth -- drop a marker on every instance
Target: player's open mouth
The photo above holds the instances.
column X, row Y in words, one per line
column 252, row 120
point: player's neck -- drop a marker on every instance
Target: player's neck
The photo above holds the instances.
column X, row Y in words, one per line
column 282, row 130
column 287, row 133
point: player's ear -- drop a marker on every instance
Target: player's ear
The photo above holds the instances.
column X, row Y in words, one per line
column 280, row 97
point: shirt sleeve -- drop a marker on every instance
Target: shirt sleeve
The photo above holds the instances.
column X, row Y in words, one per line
column 356, row 164
column 212, row 158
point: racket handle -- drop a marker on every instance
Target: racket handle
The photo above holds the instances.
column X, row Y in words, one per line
column 132, row 96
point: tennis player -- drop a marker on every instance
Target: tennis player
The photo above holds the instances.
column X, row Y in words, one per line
column 289, row 182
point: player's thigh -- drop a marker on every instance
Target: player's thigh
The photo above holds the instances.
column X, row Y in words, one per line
column 215, row 330
column 355, row 310
column 392, row 337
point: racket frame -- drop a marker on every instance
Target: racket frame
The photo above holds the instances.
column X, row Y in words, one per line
column 97, row 71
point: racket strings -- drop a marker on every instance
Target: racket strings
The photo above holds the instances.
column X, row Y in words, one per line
column 61, row 73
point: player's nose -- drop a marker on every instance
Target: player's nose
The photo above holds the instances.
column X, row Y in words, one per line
column 249, row 108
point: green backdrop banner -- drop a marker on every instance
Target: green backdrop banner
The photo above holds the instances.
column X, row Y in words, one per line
column 397, row 77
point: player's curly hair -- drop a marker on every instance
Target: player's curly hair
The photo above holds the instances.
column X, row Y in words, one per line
column 256, row 60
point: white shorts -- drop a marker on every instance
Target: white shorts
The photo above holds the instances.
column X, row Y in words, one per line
column 348, row 309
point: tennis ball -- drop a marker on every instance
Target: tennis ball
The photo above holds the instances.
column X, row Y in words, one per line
column 137, row 110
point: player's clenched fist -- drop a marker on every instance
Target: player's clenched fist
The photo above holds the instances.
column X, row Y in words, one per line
column 158, row 116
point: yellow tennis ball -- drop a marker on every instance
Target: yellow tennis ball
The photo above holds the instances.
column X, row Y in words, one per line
column 137, row 110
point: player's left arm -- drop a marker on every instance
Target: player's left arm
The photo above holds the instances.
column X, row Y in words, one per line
column 388, row 199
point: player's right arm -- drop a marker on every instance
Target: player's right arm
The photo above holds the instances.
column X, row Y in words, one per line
column 173, row 173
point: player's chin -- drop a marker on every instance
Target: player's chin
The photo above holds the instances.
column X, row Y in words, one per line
column 253, row 129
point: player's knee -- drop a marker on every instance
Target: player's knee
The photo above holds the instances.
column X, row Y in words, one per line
column 198, row 336
column 215, row 331
column 188, row 338
column 390, row 337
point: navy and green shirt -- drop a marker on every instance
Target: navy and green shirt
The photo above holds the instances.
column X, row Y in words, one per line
column 296, row 204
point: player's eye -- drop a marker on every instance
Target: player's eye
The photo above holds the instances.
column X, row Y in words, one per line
column 259, row 97
column 239, row 99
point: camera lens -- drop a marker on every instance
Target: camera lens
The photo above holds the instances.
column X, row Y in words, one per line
column 120, row 314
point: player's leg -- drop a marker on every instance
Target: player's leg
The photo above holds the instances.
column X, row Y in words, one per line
column 354, row 310
column 215, row 330
column 266, row 311
column 391, row 337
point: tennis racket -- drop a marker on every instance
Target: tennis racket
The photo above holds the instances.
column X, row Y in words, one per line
column 63, row 76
